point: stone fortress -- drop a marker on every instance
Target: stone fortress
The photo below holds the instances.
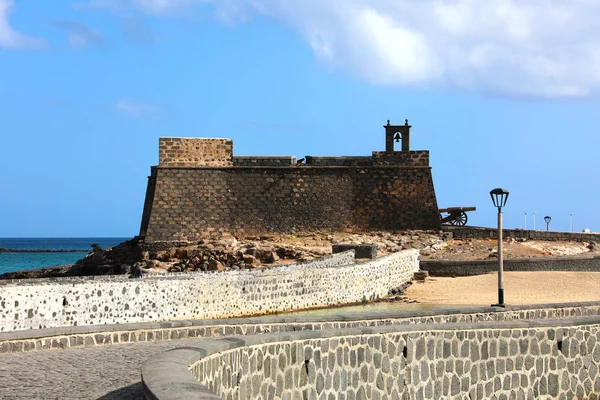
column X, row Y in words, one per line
column 200, row 188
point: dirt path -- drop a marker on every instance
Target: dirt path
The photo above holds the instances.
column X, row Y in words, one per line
column 519, row 288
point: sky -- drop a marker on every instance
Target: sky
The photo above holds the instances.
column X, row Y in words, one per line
column 503, row 93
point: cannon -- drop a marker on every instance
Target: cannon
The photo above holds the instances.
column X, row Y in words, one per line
column 457, row 216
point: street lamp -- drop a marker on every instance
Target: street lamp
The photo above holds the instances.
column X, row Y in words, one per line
column 534, row 220
column 547, row 218
column 499, row 197
column 571, row 221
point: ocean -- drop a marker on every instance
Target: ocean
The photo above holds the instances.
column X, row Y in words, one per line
column 19, row 261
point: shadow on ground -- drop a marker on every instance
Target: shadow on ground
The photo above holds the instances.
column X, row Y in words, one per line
column 131, row 392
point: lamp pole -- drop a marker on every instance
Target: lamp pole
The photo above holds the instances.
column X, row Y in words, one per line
column 547, row 218
column 500, row 261
column 499, row 197
column 571, row 221
column 534, row 220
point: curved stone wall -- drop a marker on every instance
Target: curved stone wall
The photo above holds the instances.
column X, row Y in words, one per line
column 44, row 303
column 517, row 359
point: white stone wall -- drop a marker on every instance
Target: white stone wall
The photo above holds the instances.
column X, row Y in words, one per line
column 45, row 303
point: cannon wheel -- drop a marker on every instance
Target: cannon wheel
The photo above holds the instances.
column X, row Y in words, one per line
column 459, row 219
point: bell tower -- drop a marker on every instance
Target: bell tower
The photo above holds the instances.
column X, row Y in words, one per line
column 397, row 133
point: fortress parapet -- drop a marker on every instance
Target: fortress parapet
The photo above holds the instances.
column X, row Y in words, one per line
column 199, row 188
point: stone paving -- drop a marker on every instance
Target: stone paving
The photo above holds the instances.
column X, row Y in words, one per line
column 105, row 372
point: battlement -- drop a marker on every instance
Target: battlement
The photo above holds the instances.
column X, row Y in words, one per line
column 213, row 152
column 186, row 152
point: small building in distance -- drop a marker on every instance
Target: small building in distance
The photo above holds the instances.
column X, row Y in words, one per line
column 199, row 189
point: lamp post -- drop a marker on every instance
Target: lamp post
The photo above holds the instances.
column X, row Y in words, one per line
column 534, row 220
column 571, row 221
column 499, row 197
column 547, row 218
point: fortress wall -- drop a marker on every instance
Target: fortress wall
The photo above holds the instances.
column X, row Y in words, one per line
column 195, row 152
column 414, row 158
column 343, row 161
column 525, row 359
column 263, row 161
column 44, row 303
column 192, row 203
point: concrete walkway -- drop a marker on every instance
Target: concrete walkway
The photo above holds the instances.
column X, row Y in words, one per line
column 113, row 371
column 103, row 372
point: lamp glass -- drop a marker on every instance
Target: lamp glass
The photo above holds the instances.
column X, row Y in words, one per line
column 499, row 197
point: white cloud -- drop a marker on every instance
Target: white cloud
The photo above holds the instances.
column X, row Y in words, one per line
column 11, row 39
column 542, row 48
column 79, row 35
column 154, row 7
column 138, row 109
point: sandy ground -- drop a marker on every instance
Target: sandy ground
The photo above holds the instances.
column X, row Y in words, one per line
column 519, row 288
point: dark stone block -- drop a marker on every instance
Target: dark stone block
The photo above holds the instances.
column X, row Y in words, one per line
column 361, row 250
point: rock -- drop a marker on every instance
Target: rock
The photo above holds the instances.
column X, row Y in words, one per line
column 592, row 246
column 250, row 260
column 95, row 258
column 226, row 242
column 215, row 265
column 181, row 253
column 437, row 246
column 271, row 257
column 421, row 275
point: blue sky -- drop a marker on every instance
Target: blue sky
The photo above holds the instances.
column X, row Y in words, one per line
column 503, row 94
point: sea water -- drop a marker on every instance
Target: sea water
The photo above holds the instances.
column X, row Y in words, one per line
column 48, row 255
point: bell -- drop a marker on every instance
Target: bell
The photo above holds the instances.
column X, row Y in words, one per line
column 397, row 137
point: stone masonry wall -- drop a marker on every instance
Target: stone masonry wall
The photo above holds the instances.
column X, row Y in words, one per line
column 195, row 152
column 103, row 335
column 344, row 161
column 263, row 161
column 43, row 303
column 491, row 233
column 417, row 158
column 192, row 203
column 581, row 263
column 504, row 361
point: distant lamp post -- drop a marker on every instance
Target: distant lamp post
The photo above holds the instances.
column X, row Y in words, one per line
column 547, row 218
column 499, row 197
column 571, row 221
column 534, row 220
column 525, row 225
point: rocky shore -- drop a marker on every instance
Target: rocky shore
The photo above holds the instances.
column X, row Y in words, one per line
column 226, row 253
column 136, row 257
